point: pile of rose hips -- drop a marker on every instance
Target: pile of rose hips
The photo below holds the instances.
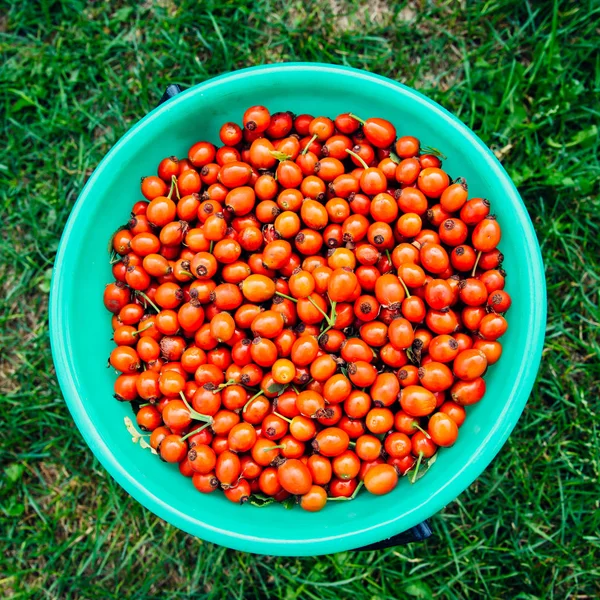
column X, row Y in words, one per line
column 306, row 309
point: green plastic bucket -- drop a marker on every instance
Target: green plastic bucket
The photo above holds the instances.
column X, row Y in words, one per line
column 82, row 270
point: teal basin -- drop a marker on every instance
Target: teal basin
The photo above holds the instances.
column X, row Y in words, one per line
column 77, row 314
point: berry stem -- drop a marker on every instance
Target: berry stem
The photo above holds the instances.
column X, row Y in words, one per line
column 416, row 426
column 333, row 315
column 319, row 309
column 273, row 448
column 361, row 121
column 476, row 263
column 359, row 158
column 347, row 499
column 285, row 296
column 282, row 417
column 418, row 465
column 195, row 414
column 405, row 287
column 145, row 297
column 312, row 139
column 142, row 330
column 174, row 188
column 191, row 433
column 357, row 490
column 253, row 397
column 186, row 273
column 211, row 247
column 325, row 330
column 224, row 385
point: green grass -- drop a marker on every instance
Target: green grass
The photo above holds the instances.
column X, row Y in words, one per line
column 524, row 75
